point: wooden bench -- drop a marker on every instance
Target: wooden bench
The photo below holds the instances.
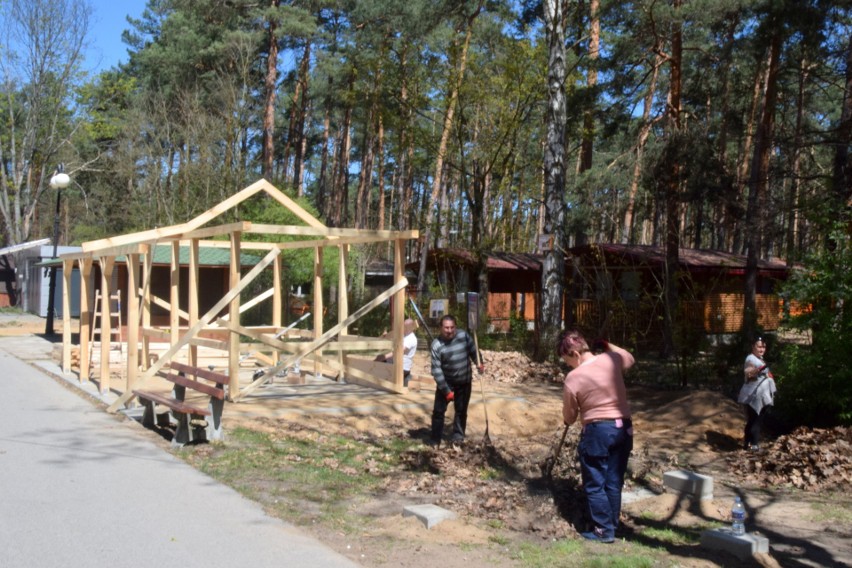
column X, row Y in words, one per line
column 193, row 423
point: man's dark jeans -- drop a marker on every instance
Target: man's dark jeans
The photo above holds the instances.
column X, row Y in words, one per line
column 460, row 403
column 604, row 450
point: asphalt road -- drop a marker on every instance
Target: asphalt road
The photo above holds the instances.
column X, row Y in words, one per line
column 80, row 488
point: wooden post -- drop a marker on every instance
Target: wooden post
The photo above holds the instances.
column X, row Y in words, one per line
column 234, row 316
column 67, row 269
column 174, row 293
column 342, row 302
column 318, row 307
column 398, row 314
column 147, row 266
column 276, row 300
column 132, row 319
column 85, row 317
column 193, row 296
column 107, row 263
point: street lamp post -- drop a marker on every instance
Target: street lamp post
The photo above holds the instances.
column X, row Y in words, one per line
column 59, row 181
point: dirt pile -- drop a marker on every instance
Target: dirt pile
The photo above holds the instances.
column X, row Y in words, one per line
column 809, row 459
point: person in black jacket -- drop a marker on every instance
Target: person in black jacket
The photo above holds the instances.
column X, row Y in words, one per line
column 453, row 351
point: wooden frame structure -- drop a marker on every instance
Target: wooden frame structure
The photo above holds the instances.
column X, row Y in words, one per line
column 137, row 250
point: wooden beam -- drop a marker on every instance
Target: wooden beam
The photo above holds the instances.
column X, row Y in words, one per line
column 108, row 246
column 174, row 291
column 331, row 232
column 107, row 264
column 234, row 315
column 277, row 300
column 217, row 231
column 253, row 245
column 132, row 262
column 318, row 307
column 157, row 301
column 398, row 314
column 85, row 317
column 253, row 302
column 147, row 268
column 205, row 319
column 193, row 286
column 321, row 341
column 67, row 271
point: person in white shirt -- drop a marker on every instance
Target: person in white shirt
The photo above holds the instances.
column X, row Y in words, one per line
column 409, row 347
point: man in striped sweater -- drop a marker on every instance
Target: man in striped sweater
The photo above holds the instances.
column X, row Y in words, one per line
column 453, row 351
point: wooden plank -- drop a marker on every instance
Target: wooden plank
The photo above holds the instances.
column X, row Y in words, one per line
column 234, row 313
column 398, row 314
column 294, row 207
column 145, row 293
column 85, row 317
column 301, row 244
column 217, row 231
column 205, row 319
column 210, row 343
column 253, row 302
column 322, row 340
column 172, row 403
column 197, row 386
column 219, row 378
column 109, row 245
column 67, row 270
column 132, row 262
column 193, row 271
column 107, row 265
column 277, row 300
column 331, row 232
column 156, row 300
column 318, row 307
column 174, row 291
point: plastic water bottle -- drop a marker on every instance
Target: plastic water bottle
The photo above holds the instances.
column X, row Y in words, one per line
column 738, row 515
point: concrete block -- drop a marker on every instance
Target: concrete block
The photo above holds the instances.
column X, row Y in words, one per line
column 689, row 482
column 429, row 515
column 742, row 546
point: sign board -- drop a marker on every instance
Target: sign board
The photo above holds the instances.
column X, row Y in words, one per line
column 472, row 310
column 545, row 243
column 438, row 308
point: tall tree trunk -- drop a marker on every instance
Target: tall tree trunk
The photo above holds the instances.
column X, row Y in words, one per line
column 742, row 170
column 553, row 265
column 380, row 174
column 842, row 163
column 644, row 132
column 298, row 132
column 323, row 196
column 269, row 85
column 792, row 207
column 672, row 190
column 758, row 186
column 340, row 188
column 454, row 86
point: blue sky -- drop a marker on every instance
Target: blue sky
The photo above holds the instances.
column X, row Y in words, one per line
column 109, row 19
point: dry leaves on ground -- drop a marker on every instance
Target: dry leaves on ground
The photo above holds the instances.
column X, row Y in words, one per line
column 810, row 459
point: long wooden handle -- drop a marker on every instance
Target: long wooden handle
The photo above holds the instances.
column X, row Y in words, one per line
column 476, row 346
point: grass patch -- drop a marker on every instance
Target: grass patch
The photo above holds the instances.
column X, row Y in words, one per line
column 675, row 536
column 578, row 554
column 831, row 512
column 283, row 473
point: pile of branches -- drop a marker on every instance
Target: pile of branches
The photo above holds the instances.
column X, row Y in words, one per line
column 514, row 368
column 809, row 459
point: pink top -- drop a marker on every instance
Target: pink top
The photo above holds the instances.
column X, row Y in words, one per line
column 595, row 390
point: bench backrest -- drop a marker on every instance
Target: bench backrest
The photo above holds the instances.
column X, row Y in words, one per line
column 181, row 374
column 200, row 373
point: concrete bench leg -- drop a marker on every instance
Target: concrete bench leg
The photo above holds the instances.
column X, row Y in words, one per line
column 182, row 432
column 214, row 421
column 150, row 419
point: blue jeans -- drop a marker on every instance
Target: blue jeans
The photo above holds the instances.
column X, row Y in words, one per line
column 604, row 450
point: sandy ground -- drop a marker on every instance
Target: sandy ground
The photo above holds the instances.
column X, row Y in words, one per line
column 693, row 430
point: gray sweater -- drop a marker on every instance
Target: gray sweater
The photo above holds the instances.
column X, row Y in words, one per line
column 451, row 360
